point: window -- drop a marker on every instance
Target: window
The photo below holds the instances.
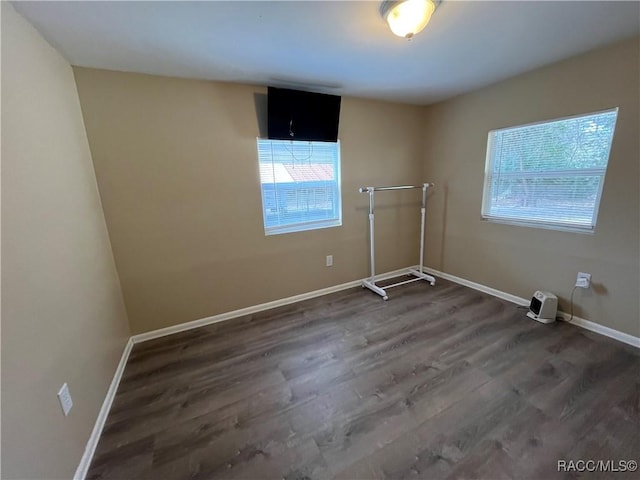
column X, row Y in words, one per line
column 300, row 184
column 549, row 174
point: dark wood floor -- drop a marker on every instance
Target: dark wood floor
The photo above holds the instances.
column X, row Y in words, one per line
column 438, row 382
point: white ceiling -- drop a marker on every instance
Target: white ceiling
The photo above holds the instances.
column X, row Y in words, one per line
column 337, row 47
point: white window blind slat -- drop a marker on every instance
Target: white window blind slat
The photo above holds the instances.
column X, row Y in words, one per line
column 300, row 183
column 549, row 173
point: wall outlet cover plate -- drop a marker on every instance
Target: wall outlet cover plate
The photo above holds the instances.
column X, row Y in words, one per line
column 65, row 399
column 583, row 280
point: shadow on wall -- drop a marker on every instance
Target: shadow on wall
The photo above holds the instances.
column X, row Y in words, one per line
column 235, row 105
column 597, row 290
column 443, row 235
column 260, row 102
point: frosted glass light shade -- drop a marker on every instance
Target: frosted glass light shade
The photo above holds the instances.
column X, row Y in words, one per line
column 407, row 17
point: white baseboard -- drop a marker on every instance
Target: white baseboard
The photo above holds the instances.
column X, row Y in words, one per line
column 577, row 321
column 83, row 467
column 602, row 330
column 162, row 332
column 478, row 286
column 85, row 462
column 580, row 322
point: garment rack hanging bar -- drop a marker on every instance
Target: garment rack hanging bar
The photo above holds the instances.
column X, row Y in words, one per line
column 396, row 187
column 370, row 282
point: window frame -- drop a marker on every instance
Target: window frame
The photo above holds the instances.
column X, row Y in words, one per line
column 306, row 225
column 544, row 224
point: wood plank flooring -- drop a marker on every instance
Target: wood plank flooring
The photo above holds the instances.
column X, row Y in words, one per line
column 438, row 382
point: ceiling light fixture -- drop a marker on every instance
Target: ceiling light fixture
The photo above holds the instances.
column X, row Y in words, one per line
column 407, row 17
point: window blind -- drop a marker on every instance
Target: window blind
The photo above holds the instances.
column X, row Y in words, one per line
column 549, row 174
column 300, row 183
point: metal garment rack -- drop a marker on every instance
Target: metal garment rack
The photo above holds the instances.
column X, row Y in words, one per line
column 370, row 283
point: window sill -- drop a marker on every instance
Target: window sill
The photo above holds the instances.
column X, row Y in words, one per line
column 303, row 227
column 544, row 226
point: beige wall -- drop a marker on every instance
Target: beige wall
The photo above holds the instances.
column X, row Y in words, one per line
column 63, row 318
column 176, row 164
column 520, row 260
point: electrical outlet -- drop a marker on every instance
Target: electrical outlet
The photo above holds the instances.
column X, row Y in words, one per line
column 329, row 261
column 65, row 399
column 583, row 280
